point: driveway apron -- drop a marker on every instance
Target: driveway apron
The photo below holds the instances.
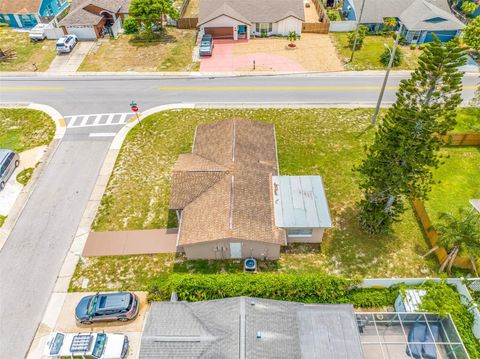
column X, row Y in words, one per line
column 71, row 62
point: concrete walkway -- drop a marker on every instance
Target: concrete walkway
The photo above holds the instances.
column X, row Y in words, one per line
column 119, row 243
column 70, row 62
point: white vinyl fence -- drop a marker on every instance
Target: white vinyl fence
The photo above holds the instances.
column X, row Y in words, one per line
column 459, row 283
column 53, row 33
column 342, row 26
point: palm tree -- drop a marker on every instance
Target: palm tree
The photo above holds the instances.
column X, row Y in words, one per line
column 292, row 37
column 459, row 235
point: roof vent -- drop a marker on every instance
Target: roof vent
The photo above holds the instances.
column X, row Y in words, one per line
column 252, row 303
column 259, row 334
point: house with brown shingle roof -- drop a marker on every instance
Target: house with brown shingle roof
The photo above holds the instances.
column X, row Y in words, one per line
column 224, row 197
column 91, row 19
column 239, row 19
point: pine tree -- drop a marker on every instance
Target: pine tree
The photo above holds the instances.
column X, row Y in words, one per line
column 404, row 151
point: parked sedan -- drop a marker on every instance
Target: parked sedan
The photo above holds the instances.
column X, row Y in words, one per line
column 206, row 48
column 66, row 43
column 122, row 306
column 9, row 161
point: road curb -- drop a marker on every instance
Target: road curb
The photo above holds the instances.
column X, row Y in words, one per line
column 27, row 190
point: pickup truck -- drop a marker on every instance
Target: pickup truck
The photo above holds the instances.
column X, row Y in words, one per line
column 86, row 345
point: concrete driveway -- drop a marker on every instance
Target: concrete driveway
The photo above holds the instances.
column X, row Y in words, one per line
column 71, row 62
column 65, row 322
column 314, row 52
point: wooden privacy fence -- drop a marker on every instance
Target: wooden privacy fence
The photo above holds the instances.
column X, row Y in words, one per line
column 463, row 139
column 453, row 139
column 432, row 236
column 187, row 23
column 318, row 27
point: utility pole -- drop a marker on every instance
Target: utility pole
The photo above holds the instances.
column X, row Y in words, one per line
column 390, row 63
column 356, row 31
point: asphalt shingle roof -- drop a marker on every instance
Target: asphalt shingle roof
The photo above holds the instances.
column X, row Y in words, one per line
column 78, row 15
column 229, row 328
column 251, row 11
column 413, row 13
column 20, row 6
column 224, row 186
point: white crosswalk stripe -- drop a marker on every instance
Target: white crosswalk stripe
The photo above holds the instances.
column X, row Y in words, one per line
column 99, row 119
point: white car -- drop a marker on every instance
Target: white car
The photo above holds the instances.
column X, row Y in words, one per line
column 38, row 33
column 86, row 345
column 66, row 43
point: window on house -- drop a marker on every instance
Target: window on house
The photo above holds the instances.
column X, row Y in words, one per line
column 300, row 232
column 263, row 27
column 435, row 20
column 415, row 36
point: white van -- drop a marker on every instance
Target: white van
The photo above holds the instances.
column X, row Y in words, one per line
column 86, row 345
column 38, row 33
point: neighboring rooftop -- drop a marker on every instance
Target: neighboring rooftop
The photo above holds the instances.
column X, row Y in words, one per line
column 300, row 202
column 244, row 327
column 413, row 13
column 78, row 15
column 20, row 6
column 223, row 186
column 251, row 11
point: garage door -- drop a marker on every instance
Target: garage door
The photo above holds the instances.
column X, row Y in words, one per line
column 220, row 32
column 82, row 32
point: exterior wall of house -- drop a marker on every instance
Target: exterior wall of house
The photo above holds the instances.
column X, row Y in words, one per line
column 316, row 237
column 20, row 20
column 52, row 7
column 289, row 24
column 221, row 249
column 223, row 21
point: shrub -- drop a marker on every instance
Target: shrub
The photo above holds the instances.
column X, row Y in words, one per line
column 332, row 15
column 362, row 32
column 422, row 46
column 385, row 57
column 413, row 46
column 130, row 25
column 3, row 24
column 442, row 298
column 304, row 288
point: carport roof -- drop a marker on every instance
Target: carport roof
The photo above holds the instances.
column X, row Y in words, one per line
column 251, row 11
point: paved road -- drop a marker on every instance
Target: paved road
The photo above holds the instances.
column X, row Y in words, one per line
column 33, row 254
column 74, row 95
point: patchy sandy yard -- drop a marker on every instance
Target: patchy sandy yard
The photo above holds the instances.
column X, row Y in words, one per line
column 171, row 52
column 314, row 52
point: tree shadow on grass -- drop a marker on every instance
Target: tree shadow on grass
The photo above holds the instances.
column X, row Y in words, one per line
column 160, row 38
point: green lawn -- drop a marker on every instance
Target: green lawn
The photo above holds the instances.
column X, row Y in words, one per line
column 459, row 181
column 468, row 120
column 26, row 53
column 23, row 129
column 328, row 142
column 368, row 57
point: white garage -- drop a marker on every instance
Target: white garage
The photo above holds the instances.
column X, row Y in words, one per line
column 83, row 32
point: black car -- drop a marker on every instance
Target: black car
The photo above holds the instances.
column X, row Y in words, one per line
column 122, row 306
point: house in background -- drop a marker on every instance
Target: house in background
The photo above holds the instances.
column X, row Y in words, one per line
column 92, row 19
column 28, row 13
column 421, row 19
column 231, row 201
column 240, row 19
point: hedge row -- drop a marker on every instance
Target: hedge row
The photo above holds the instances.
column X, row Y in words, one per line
column 304, row 288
